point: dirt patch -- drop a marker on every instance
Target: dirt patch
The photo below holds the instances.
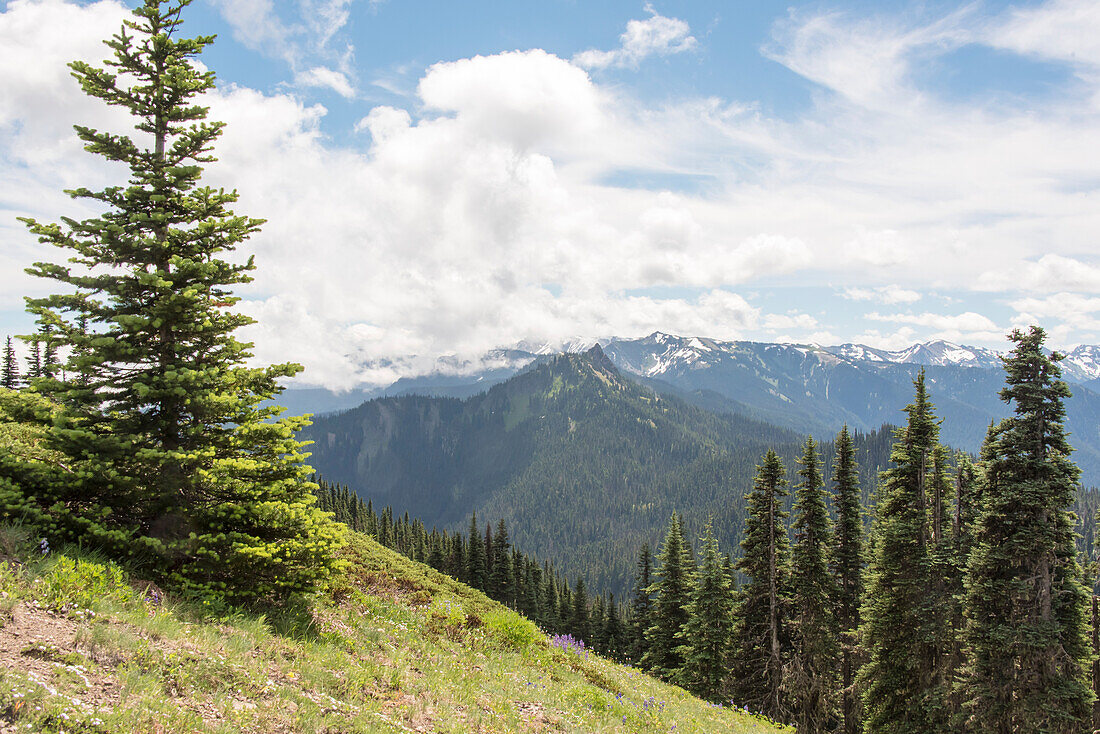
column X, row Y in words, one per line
column 535, row 717
column 42, row 646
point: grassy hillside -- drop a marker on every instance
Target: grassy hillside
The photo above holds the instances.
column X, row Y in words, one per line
column 394, row 647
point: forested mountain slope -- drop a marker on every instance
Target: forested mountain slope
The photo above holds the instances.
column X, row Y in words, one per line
column 582, row 463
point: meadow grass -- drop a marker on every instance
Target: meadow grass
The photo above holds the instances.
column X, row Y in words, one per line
column 393, row 646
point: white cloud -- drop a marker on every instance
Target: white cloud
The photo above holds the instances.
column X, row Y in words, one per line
column 1047, row 274
column 1073, row 310
column 656, row 35
column 320, row 76
column 968, row 321
column 886, row 294
column 968, row 327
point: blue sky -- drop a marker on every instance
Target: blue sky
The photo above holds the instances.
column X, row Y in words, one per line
column 443, row 178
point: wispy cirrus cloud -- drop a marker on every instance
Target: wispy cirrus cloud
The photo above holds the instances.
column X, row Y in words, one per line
column 302, row 33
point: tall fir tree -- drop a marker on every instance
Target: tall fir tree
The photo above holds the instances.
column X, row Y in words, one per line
column 944, row 597
column 477, row 574
column 9, row 376
column 708, row 632
column 1026, row 598
column 761, row 616
column 848, row 574
column 897, row 677
column 815, row 648
column 669, row 610
column 614, row 632
column 641, row 605
column 579, row 613
column 502, row 577
column 181, row 462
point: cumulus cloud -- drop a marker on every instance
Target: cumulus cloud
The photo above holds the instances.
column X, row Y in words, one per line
column 656, row 35
column 1072, row 310
column 495, row 207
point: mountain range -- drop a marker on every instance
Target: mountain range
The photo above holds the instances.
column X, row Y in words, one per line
column 581, row 461
column 804, row 388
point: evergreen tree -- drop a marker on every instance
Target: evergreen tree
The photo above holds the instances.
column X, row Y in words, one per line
column 613, row 632
column 968, row 483
column 9, row 376
column 897, row 677
column 181, row 464
column 669, row 610
column 502, row 578
column 1026, row 600
column 944, row 598
column 641, row 605
column 707, row 634
column 847, row 573
column 761, row 615
column 34, row 359
column 596, row 622
column 578, row 615
column 812, row 680
column 565, row 619
column 436, row 554
column 476, row 568
column 50, row 366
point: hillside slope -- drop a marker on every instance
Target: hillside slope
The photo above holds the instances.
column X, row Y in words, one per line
column 397, row 647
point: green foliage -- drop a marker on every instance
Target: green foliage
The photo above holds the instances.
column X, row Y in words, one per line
column 172, row 460
column 1025, row 593
column 66, row 584
column 762, row 614
column 511, row 630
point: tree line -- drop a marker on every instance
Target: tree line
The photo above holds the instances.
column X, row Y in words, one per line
column 963, row 608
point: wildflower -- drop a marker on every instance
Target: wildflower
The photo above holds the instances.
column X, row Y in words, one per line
column 44, row 547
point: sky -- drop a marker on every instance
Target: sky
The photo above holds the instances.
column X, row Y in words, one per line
column 442, row 179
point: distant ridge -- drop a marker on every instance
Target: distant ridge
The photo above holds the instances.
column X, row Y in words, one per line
column 807, row 388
